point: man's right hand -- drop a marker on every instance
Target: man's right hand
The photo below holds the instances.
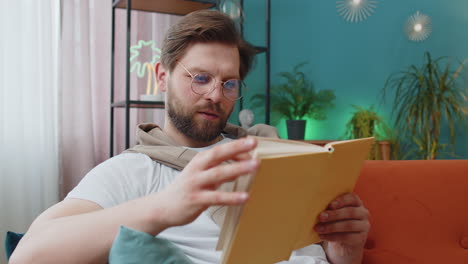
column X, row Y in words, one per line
column 91, row 229
column 195, row 189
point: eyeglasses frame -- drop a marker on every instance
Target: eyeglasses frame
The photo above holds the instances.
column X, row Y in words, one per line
column 214, row 86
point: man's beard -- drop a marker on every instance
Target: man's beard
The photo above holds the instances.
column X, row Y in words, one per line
column 182, row 118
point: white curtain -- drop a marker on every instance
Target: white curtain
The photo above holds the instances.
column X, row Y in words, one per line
column 54, row 97
column 85, row 87
column 29, row 113
column 85, row 82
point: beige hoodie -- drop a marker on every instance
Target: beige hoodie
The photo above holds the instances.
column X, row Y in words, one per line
column 153, row 142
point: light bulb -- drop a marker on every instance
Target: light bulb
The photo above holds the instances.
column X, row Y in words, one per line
column 231, row 8
column 418, row 27
column 356, row 2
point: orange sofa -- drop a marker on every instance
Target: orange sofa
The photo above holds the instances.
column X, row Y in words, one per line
column 419, row 211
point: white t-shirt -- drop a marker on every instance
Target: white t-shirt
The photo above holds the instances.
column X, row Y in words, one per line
column 133, row 175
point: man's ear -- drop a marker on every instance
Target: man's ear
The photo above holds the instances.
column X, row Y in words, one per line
column 161, row 75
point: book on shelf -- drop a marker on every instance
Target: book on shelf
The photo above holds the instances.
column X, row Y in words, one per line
column 294, row 183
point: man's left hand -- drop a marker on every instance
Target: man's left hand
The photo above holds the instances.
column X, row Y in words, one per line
column 343, row 227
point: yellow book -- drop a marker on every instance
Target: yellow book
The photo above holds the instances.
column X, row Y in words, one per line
column 294, row 183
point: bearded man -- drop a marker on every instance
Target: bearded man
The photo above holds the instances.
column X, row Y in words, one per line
column 167, row 185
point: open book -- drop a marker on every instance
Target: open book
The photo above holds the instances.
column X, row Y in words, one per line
column 294, row 183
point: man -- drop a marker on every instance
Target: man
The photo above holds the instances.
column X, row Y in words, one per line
column 203, row 62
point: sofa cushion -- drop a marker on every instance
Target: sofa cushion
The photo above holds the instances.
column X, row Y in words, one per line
column 132, row 246
column 417, row 210
column 464, row 242
column 11, row 241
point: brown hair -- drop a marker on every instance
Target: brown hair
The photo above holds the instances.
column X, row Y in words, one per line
column 204, row 26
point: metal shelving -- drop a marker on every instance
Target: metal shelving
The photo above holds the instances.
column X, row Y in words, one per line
column 175, row 7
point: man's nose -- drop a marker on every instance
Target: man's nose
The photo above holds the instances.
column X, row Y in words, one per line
column 216, row 93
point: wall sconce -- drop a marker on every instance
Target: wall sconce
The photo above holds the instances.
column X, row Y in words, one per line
column 418, row 27
column 355, row 10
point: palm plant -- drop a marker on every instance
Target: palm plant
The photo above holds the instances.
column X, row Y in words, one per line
column 297, row 98
column 425, row 97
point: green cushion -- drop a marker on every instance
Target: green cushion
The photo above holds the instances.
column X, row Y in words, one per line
column 131, row 246
column 11, row 240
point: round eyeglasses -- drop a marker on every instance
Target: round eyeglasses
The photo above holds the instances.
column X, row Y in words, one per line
column 204, row 82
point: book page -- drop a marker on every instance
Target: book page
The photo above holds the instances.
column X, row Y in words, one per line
column 233, row 213
column 270, row 147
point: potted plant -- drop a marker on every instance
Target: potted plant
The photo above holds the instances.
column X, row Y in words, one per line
column 425, row 98
column 367, row 123
column 296, row 99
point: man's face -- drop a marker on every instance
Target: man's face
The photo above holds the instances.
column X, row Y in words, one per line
column 202, row 117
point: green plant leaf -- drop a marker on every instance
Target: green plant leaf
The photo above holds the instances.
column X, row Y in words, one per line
column 425, row 98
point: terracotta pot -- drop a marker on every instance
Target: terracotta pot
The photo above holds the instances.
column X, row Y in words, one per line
column 385, row 149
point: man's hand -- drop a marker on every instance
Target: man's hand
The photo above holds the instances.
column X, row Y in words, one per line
column 195, row 189
column 344, row 227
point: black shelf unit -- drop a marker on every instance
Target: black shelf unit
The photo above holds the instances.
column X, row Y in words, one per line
column 263, row 49
column 174, row 7
column 138, row 104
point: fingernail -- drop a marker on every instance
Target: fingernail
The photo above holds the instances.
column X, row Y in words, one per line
column 249, row 141
column 335, row 204
column 243, row 196
column 320, row 229
column 253, row 163
column 323, row 216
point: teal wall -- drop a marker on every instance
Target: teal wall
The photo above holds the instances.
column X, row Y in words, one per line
column 354, row 59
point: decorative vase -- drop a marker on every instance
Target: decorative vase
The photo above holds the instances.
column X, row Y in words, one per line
column 296, row 129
